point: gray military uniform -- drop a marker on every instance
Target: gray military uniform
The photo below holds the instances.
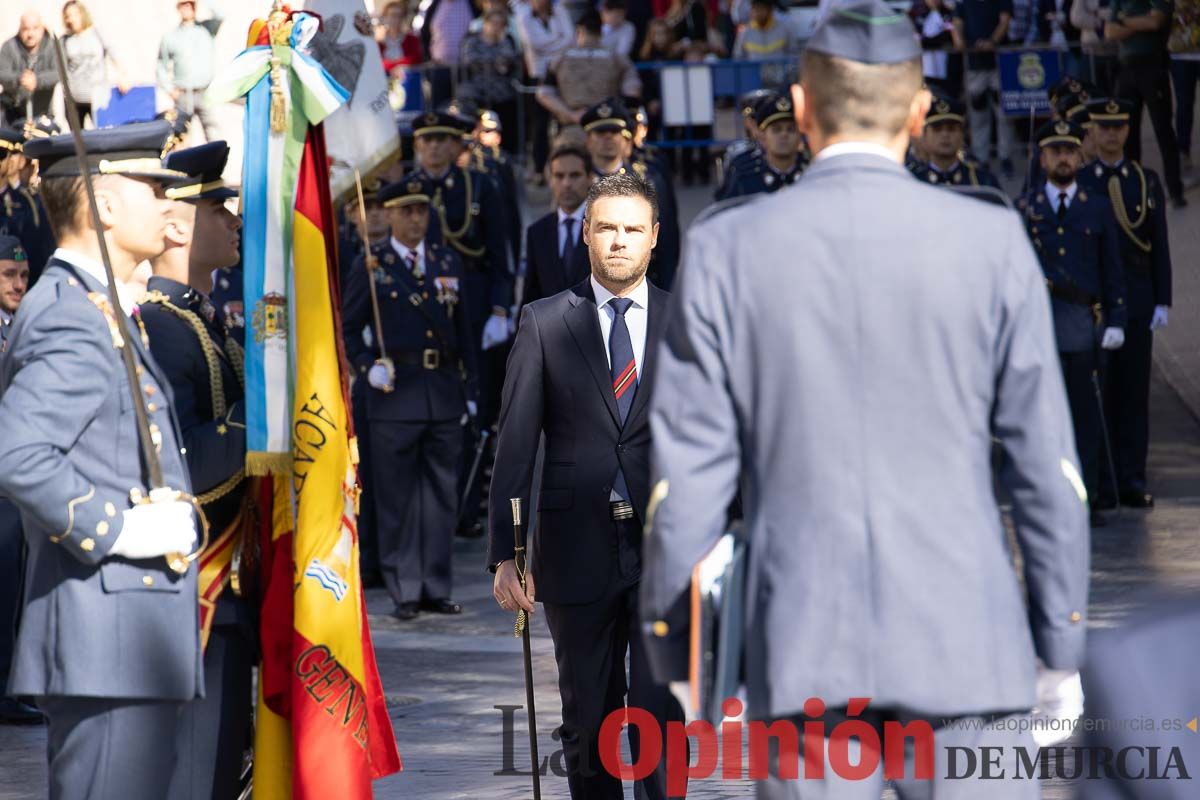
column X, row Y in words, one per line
column 855, row 402
column 104, row 641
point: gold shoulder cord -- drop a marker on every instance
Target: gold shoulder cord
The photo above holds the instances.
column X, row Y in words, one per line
column 33, row 211
column 454, row 237
column 971, row 174
column 206, row 344
column 1122, row 214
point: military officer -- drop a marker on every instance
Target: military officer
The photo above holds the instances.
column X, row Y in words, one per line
column 943, row 144
column 493, row 162
column 16, row 216
column 109, row 644
column 227, row 299
column 855, row 408
column 419, row 392
column 781, row 162
column 204, row 367
column 1075, row 235
column 608, row 128
column 40, row 242
column 749, row 142
column 1139, row 205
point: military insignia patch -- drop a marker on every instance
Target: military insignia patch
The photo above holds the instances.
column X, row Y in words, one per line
column 783, row 104
column 270, row 318
column 232, row 311
column 1062, row 129
column 942, row 107
column 1082, row 196
column 414, row 187
column 1112, row 107
column 1099, row 171
column 604, row 110
column 447, row 289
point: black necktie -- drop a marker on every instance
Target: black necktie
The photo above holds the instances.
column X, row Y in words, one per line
column 568, row 240
column 623, row 367
column 1062, row 205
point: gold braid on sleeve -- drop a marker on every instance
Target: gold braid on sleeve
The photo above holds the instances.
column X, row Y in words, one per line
column 1122, row 214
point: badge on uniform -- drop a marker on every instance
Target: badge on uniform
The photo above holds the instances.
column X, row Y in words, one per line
column 447, row 290
column 234, row 318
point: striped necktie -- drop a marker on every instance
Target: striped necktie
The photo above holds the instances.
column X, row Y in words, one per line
column 623, row 368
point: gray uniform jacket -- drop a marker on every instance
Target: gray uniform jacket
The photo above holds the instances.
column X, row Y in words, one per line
column 94, row 625
column 851, row 379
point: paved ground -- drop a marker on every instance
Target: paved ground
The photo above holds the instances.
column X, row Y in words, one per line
column 447, row 678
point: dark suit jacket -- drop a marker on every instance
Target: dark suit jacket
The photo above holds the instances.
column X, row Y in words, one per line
column 545, row 273
column 1043, row 25
column 558, row 383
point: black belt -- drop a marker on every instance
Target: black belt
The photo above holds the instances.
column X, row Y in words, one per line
column 1072, row 294
column 429, row 358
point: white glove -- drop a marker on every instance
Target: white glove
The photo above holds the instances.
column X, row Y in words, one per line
column 1059, row 705
column 155, row 529
column 495, row 331
column 378, row 378
column 1159, row 320
column 472, row 409
column 1113, row 339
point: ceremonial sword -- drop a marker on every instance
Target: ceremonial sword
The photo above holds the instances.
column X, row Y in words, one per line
column 159, row 491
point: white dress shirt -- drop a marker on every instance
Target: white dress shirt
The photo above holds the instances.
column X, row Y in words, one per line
column 576, row 226
column 849, row 148
column 636, row 319
column 96, row 270
column 404, row 251
column 1052, row 193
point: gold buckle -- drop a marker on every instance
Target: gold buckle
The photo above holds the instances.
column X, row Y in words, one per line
column 431, row 359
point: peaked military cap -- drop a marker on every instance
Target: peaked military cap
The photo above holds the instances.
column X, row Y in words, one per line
column 412, row 188
column 866, row 31
column 607, row 115
column 203, row 166
column 37, row 127
column 434, row 122
column 179, row 124
column 749, row 100
column 10, row 141
column 371, row 189
column 133, row 150
column 1060, row 132
column 1110, row 111
column 489, row 120
column 11, row 250
column 946, row 109
column 772, row 108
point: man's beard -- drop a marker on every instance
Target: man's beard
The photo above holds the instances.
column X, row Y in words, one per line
column 620, row 273
column 1063, row 175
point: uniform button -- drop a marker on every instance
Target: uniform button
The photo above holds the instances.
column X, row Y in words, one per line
column 147, row 580
column 425, row 295
column 87, row 545
column 428, row 334
column 1060, row 230
column 1076, row 616
column 149, row 389
column 620, row 448
column 183, row 451
column 110, row 509
column 394, row 295
column 151, row 407
column 661, row 628
column 102, row 528
column 1062, row 251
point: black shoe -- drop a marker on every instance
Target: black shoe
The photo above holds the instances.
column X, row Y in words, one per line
column 1179, row 201
column 1097, row 519
column 443, row 606
column 372, row 579
column 1137, row 499
column 406, row 611
column 470, row 531
column 14, row 712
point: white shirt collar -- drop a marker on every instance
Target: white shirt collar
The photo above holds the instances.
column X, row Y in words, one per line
column 640, row 296
column 79, row 261
column 848, row 148
column 1053, row 192
column 576, row 215
column 404, row 251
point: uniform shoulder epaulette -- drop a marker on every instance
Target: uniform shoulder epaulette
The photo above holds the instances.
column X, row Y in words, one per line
column 988, row 194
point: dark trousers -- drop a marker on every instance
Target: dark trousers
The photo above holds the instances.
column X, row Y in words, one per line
column 1077, row 369
column 590, row 643
column 540, row 133
column 368, row 538
column 12, row 548
column 416, row 503
column 1101, row 71
column 1127, row 406
column 1149, row 84
column 214, row 731
column 110, row 749
column 1184, row 75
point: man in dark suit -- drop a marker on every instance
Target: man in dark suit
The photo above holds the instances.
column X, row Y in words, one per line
column 555, row 254
column 580, row 372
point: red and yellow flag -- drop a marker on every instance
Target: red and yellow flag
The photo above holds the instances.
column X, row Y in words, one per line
column 322, row 726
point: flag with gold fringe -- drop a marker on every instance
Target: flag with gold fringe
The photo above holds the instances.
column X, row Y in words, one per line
column 322, row 728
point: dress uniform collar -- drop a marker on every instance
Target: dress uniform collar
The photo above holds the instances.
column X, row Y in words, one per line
column 1052, row 193
column 179, row 294
column 403, row 251
column 93, row 268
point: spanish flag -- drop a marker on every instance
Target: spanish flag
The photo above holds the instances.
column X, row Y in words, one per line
column 322, row 728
